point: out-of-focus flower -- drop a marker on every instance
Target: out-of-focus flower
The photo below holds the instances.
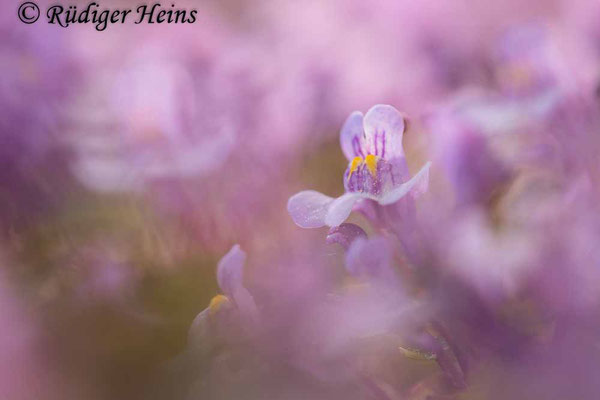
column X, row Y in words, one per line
column 149, row 132
column 215, row 119
column 530, row 78
column 38, row 76
column 231, row 313
column 466, row 156
column 526, row 62
column 230, row 278
column 377, row 170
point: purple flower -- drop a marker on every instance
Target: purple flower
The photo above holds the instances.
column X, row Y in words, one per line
column 230, row 273
column 527, row 61
column 235, row 308
column 377, row 170
column 465, row 154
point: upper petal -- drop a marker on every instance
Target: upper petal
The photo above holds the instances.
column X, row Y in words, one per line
column 418, row 184
column 247, row 306
column 384, row 127
column 341, row 207
column 309, row 208
column 230, row 270
column 351, row 136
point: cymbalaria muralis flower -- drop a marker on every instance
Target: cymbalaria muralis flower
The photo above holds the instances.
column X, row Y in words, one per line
column 377, row 170
column 233, row 310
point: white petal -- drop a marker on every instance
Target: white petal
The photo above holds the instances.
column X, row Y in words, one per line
column 309, row 208
column 341, row 208
column 418, row 184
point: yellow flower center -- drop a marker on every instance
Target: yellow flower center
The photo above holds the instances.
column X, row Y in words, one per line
column 370, row 161
column 356, row 162
column 216, row 303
